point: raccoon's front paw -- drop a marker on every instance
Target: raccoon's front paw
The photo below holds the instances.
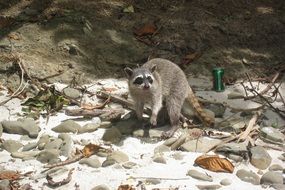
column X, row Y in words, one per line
column 167, row 134
column 170, row 132
column 153, row 121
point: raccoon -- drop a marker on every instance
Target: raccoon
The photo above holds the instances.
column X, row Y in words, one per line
column 160, row 80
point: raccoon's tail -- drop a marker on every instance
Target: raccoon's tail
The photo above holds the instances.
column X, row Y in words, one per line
column 205, row 118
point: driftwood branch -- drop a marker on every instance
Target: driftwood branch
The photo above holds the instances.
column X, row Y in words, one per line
column 104, row 114
column 116, row 99
column 242, row 136
column 249, row 127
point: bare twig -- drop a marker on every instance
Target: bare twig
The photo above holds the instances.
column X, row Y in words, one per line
column 226, row 140
column 22, row 78
column 51, row 76
column 24, row 69
column 264, row 90
column 278, row 92
column 246, row 95
column 278, row 111
column 20, row 89
column 242, row 136
column 54, row 184
column 230, row 107
column 66, row 162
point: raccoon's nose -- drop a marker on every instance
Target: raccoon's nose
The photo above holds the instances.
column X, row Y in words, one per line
column 146, row 86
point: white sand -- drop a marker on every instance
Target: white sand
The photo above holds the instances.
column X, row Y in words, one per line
column 138, row 152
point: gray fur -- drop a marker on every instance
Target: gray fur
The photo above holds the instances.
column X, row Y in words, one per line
column 170, row 85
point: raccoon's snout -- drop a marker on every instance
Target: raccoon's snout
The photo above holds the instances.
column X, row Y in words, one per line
column 146, row 86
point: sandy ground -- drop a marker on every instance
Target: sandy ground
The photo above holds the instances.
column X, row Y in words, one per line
column 139, row 152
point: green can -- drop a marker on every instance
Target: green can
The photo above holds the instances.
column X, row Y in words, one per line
column 218, row 82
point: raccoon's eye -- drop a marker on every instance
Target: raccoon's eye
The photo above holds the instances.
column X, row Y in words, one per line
column 138, row 80
column 150, row 80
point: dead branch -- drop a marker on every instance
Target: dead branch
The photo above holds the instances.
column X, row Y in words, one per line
column 243, row 135
column 20, row 89
column 66, row 162
column 278, row 111
column 87, row 151
column 249, row 127
column 230, row 107
column 179, row 142
column 277, row 147
column 5, row 101
column 50, row 76
column 104, row 114
column 54, row 184
column 264, row 91
column 278, row 92
column 226, row 140
column 116, row 99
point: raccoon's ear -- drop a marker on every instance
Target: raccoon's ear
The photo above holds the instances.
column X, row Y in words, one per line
column 128, row 72
column 153, row 68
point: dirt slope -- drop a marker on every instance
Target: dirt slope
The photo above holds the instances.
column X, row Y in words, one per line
column 94, row 39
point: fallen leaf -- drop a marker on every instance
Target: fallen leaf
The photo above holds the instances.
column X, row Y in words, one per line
column 110, row 89
column 191, row 57
column 14, row 36
column 125, row 187
column 91, row 149
column 146, row 29
column 10, row 175
column 215, row 163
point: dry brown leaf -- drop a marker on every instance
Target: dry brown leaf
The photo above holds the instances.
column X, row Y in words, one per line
column 215, row 163
column 91, row 149
column 10, row 175
column 191, row 57
column 14, row 36
column 125, row 187
column 147, row 29
column 109, row 89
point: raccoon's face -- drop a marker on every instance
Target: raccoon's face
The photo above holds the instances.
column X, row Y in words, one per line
column 140, row 78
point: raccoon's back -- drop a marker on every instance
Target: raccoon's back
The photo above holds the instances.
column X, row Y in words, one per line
column 172, row 77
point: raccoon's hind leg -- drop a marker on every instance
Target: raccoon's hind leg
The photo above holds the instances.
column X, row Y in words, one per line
column 174, row 105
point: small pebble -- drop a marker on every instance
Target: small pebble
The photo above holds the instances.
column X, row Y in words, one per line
column 225, row 182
